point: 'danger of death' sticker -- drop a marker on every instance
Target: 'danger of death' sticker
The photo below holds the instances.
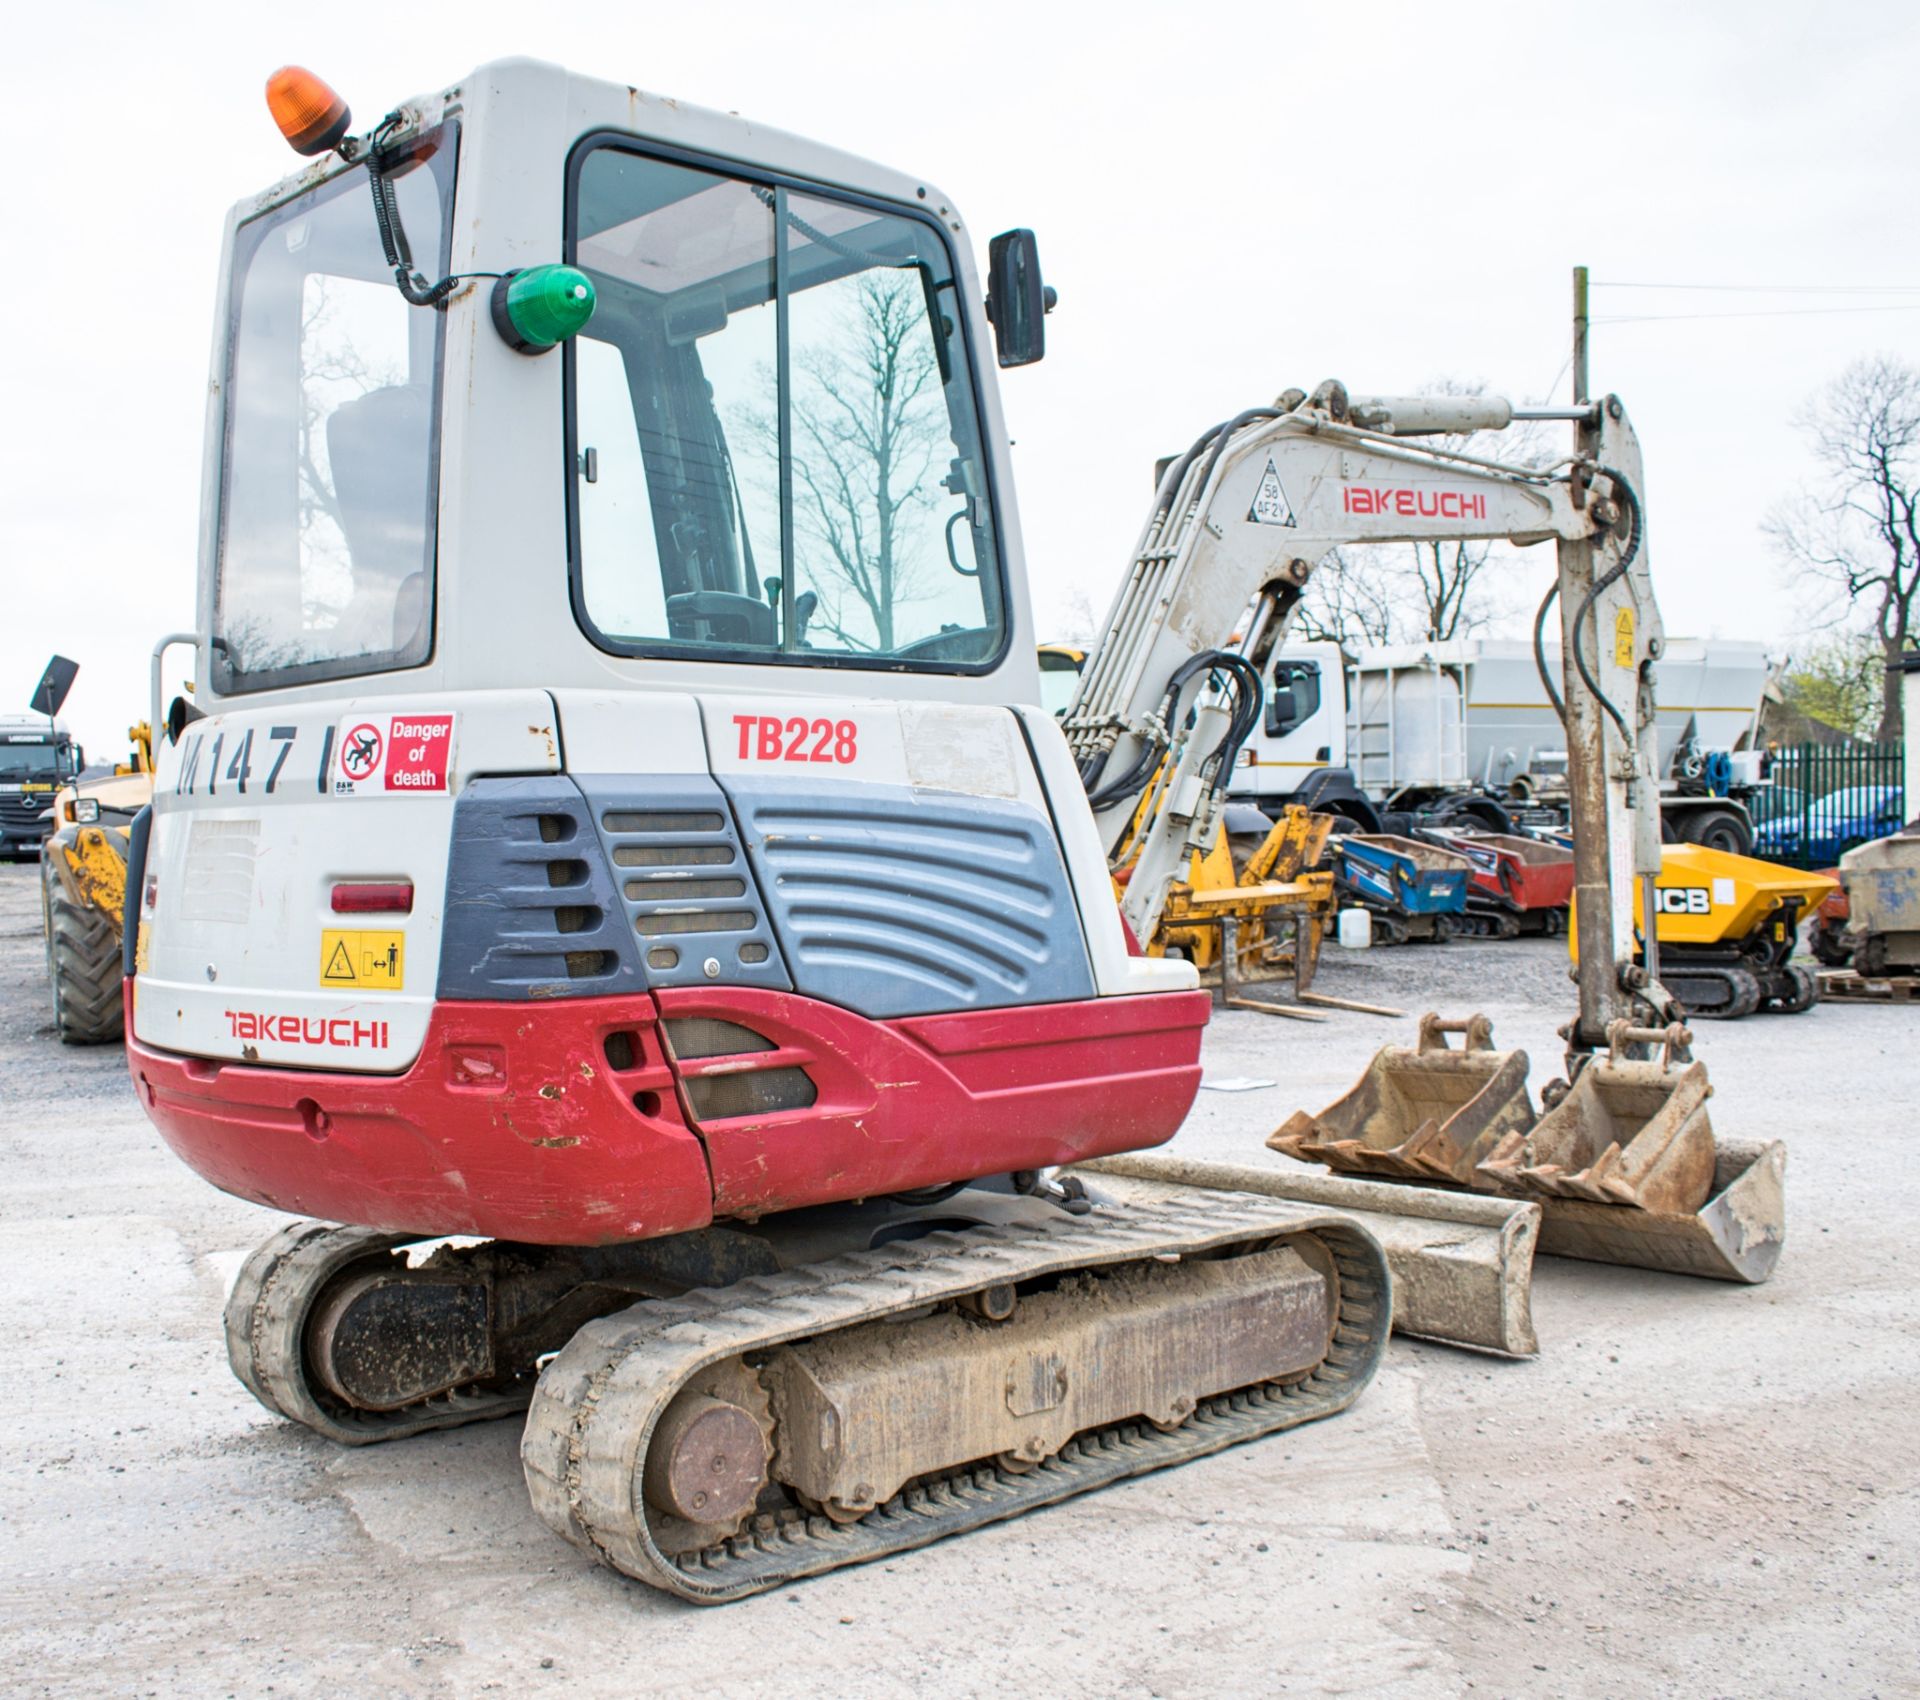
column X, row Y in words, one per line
column 385, row 754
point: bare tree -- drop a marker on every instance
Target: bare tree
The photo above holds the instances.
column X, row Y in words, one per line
column 868, row 424
column 1856, row 531
column 1350, row 600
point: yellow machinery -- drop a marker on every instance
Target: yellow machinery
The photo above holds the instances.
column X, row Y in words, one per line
column 1256, row 902
column 1272, row 878
column 1727, row 926
column 83, row 887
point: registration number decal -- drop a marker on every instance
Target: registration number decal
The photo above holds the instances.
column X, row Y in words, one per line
column 773, row 737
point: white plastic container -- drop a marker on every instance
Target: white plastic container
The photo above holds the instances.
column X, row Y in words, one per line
column 1355, row 930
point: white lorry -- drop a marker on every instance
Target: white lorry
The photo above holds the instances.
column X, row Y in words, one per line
column 1465, row 728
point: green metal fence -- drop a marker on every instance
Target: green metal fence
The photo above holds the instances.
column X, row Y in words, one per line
column 1824, row 799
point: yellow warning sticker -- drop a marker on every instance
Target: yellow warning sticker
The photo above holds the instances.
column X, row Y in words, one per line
column 365, row 961
column 1623, row 638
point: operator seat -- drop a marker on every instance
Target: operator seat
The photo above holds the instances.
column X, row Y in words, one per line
column 379, row 450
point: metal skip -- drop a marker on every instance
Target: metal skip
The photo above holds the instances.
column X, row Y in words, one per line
column 1462, row 1264
column 1429, row 1113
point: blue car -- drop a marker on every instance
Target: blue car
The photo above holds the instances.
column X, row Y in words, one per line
column 1818, row 832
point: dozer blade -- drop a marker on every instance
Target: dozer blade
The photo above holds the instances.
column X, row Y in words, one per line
column 1431, row 1113
column 1628, row 1132
column 1462, row 1265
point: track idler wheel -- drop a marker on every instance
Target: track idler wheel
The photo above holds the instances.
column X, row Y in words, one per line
column 1791, row 991
column 327, row 1326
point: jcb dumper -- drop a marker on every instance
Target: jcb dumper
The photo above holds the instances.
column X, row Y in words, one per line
column 619, row 826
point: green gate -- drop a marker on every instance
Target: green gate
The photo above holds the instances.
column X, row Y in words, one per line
column 1824, row 799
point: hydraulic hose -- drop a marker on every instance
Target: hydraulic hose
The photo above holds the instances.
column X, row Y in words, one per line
column 1609, row 579
column 1540, row 652
column 1247, row 696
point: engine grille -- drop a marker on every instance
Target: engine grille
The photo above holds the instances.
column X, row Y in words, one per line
column 22, row 813
column 530, row 909
column 894, row 902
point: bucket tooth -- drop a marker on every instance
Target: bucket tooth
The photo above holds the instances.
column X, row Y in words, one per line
column 1628, row 1132
column 1429, row 1113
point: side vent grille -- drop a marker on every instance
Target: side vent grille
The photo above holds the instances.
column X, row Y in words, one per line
column 683, row 884
column 741, row 1090
column 531, row 909
column 894, row 902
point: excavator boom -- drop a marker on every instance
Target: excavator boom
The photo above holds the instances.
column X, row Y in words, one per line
column 1624, row 1158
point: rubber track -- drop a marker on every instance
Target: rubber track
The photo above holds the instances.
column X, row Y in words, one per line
column 266, row 1324
column 598, row 1400
column 83, row 965
column 1734, row 989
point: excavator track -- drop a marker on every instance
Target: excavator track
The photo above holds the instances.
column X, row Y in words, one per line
column 589, row 1443
column 267, row 1319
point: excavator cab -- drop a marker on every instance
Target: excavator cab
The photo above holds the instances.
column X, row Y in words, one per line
column 620, row 828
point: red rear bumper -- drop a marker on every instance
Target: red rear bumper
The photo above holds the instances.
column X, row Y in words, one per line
column 567, row 1123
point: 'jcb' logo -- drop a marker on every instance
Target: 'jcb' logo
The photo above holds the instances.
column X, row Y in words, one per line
column 1683, row 900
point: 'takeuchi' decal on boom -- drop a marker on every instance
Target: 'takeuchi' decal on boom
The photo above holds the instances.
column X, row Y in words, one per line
column 1415, row 502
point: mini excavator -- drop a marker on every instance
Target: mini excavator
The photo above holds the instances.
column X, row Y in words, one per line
column 616, row 884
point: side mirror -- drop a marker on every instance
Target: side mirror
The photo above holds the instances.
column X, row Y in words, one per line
column 1282, row 712
column 1017, row 301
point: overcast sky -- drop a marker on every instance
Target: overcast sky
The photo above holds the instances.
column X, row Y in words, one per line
column 1230, row 199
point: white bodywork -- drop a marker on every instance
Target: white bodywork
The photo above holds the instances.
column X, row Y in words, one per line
column 531, row 693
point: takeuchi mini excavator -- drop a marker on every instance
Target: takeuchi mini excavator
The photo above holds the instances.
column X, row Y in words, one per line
column 616, row 829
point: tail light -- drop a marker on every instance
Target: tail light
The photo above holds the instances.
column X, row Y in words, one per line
column 390, row 897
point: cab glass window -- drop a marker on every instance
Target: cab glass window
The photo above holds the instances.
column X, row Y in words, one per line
column 1294, row 698
column 326, row 541
column 775, row 445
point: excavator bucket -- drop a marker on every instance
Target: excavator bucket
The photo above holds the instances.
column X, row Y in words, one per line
column 1625, row 1166
column 1429, row 1114
column 1627, row 1132
column 1635, row 1133
column 1736, row 1235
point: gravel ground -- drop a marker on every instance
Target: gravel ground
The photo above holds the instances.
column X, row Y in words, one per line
column 1696, row 1489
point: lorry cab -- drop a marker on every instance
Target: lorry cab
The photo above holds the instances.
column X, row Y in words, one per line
column 37, row 757
column 1303, row 724
column 618, row 763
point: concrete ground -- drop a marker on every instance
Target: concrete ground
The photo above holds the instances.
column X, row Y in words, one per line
column 1695, row 1490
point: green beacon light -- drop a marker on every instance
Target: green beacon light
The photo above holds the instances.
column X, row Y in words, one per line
column 538, row 308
